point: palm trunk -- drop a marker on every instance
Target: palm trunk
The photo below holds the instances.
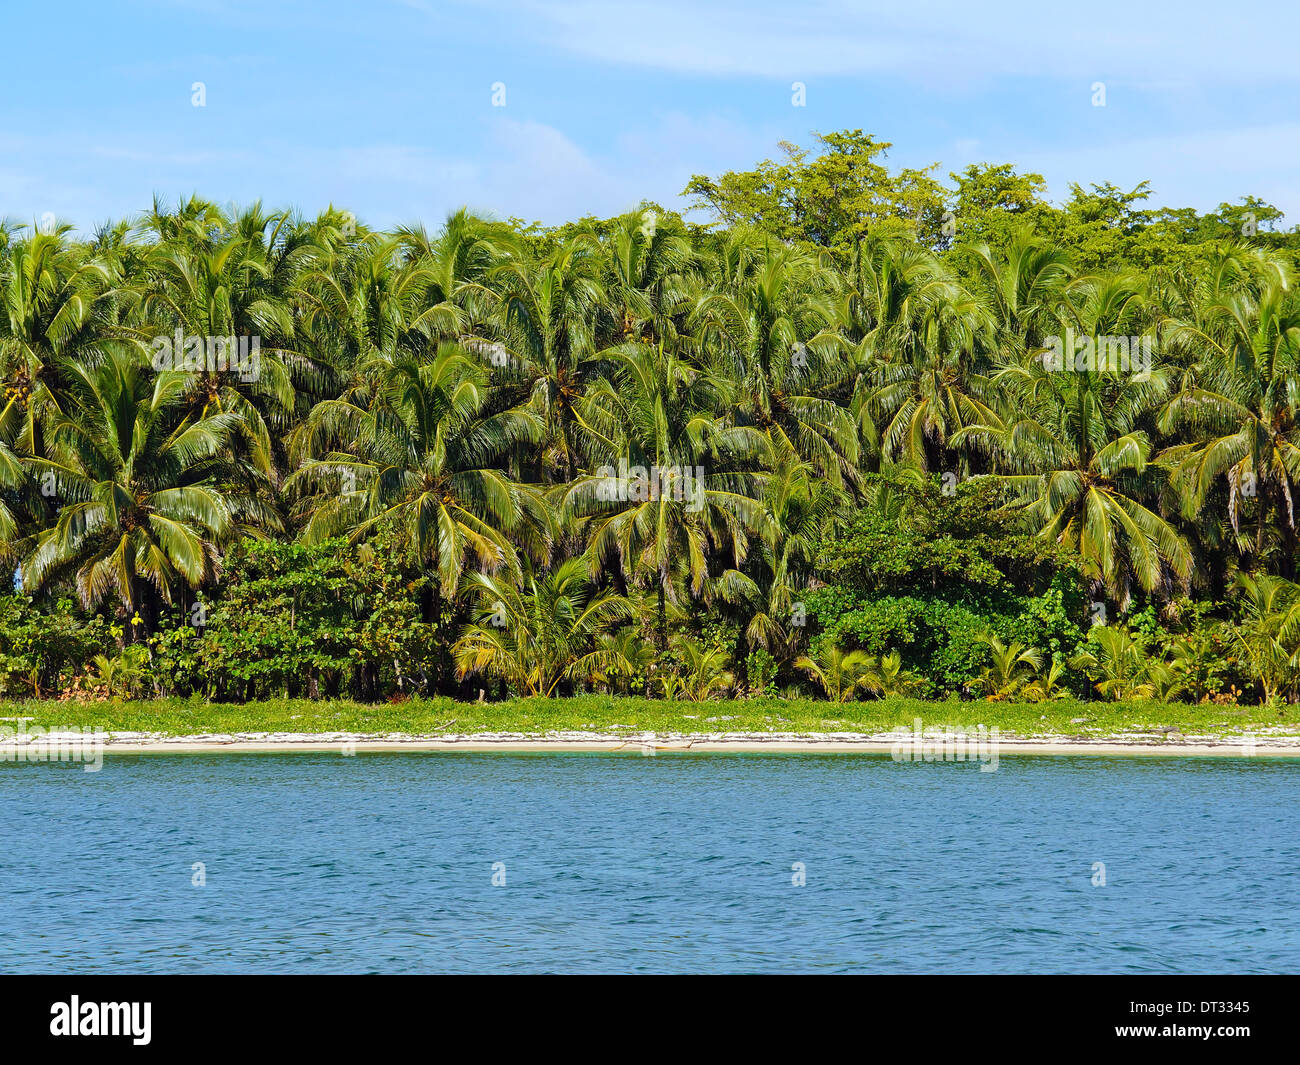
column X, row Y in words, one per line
column 1286, row 564
column 661, row 635
column 439, row 673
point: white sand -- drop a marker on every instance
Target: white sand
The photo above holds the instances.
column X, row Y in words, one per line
column 1270, row 746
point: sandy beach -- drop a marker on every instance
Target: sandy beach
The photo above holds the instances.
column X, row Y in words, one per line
column 1282, row 745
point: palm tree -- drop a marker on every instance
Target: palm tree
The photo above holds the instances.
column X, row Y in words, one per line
column 923, row 405
column 1011, row 668
column 913, row 329
column 12, row 477
column 677, row 484
column 774, row 335
column 57, row 306
column 703, row 674
column 1083, row 466
column 841, row 675
column 1240, row 407
column 547, row 327
column 363, row 308
column 1117, row 663
column 220, row 293
column 536, row 633
column 145, row 502
column 1268, row 635
column 890, row 678
column 648, row 262
column 1046, row 683
column 419, row 456
column 1023, row 291
column 630, row 647
column 766, row 593
column 454, row 269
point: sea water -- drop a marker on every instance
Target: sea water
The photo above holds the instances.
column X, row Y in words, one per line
column 450, row 862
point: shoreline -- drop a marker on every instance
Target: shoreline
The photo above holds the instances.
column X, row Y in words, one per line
column 648, row 743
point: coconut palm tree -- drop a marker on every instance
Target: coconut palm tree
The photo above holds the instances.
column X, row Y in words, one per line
column 547, row 329
column 1084, row 468
column 538, row 632
column 897, row 302
column 1239, row 407
column 1023, row 290
column 421, row 456
column 677, row 484
column 766, row 595
column 648, row 261
column 922, row 405
column 142, row 487
column 774, row 335
column 204, row 303
column 840, row 674
column 890, row 678
column 57, row 306
column 455, row 269
column 12, row 477
column 1046, row 683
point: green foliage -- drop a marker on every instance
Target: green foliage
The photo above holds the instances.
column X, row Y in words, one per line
column 929, row 574
column 831, row 199
column 298, row 618
column 42, row 649
column 761, row 669
column 822, row 433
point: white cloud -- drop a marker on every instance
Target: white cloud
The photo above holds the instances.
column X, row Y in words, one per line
column 939, row 41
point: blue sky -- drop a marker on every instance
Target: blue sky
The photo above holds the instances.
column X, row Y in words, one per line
column 385, row 107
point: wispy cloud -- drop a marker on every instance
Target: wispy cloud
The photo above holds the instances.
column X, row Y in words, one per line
column 925, row 39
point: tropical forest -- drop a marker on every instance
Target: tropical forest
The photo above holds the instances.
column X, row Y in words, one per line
column 834, row 430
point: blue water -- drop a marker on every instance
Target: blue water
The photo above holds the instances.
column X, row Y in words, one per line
column 680, row 863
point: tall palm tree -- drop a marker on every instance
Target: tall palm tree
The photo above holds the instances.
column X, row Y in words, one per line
column 12, row 477
column 1240, row 408
column 677, row 484
column 649, row 265
column 142, row 486
column 57, row 306
column 1023, row 290
column 896, row 300
column 549, row 313
column 421, row 456
column 774, row 335
column 766, row 594
column 455, row 269
column 924, row 403
column 1085, row 469
column 233, row 286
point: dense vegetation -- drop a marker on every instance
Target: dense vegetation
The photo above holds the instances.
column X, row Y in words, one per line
column 861, row 434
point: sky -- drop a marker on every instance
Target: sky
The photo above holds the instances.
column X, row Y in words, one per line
column 404, row 110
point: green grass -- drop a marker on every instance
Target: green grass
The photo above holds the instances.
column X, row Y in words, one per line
column 604, row 714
